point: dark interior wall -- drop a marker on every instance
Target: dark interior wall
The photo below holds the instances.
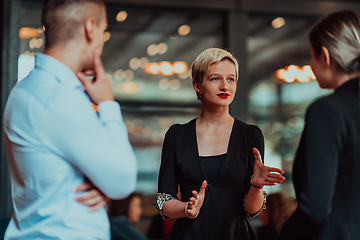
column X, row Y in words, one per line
column 9, row 42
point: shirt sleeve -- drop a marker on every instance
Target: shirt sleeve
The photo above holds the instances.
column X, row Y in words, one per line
column 97, row 145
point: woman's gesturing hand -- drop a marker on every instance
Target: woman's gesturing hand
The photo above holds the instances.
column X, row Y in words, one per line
column 264, row 175
column 196, row 201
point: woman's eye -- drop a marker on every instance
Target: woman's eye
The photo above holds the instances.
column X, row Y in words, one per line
column 214, row 79
column 231, row 80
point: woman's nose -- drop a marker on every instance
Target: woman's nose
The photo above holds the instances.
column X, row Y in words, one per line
column 224, row 86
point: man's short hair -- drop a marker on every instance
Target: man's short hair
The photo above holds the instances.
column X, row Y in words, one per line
column 63, row 18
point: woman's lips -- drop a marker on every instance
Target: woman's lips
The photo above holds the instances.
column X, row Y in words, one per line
column 224, row 95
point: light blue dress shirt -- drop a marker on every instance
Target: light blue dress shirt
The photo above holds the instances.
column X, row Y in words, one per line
column 54, row 140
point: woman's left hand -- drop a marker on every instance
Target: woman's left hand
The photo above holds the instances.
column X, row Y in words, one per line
column 93, row 197
column 264, row 175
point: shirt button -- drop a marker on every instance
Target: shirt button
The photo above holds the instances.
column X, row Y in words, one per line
column 208, row 187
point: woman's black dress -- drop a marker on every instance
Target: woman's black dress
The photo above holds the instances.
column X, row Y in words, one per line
column 222, row 215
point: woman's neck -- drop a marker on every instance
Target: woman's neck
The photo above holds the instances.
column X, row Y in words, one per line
column 213, row 117
column 340, row 79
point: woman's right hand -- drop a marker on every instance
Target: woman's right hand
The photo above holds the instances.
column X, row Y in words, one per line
column 197, row 200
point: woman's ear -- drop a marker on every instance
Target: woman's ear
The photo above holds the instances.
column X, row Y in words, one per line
column 325, row 55
column 196, row 86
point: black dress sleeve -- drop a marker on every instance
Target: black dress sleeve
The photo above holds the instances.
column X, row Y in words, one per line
column 168, row 182
column 255, row 139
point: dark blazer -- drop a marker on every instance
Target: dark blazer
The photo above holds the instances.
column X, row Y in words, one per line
column 222, row 214
column 326, row 172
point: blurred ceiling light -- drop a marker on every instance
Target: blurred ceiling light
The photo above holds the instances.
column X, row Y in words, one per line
column 130, row 126
column 162, row 48
column 308, row 71
column 138, row 122
column 152, row 50
column 129, row 87
column 44, row 28
column 184, row 75
column 134, row 63
column 278, row 22
column 40, row 30
column 143, row 61
column 165, row 122
column 119, row 74
column 290, row 73
column 301, row 76
column 128, row 75
column 166, row 68
column 280, row 73
column 294, row 72
column 164, row 83
column 32, row 43
column 184, row 30
column 25, row 33
column 156, row 137
column 107, row 36
column 146, row 131
column 152, row 68
column 180, row 67
column 174, row 84
column 121, row 16
column 173, row 37
column 39, row 43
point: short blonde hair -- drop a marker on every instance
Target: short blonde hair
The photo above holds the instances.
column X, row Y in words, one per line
column 206, row 59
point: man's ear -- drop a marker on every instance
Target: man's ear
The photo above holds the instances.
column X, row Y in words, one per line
column 325, row 55
column 89, row 28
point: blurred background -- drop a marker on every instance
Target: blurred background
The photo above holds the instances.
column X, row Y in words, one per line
column 149, row 48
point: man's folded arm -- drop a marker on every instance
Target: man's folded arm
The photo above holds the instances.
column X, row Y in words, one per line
column 97, row 145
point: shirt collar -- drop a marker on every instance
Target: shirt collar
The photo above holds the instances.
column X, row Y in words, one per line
column 56, row 68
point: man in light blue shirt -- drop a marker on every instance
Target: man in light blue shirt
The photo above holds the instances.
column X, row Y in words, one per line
column 54, row 139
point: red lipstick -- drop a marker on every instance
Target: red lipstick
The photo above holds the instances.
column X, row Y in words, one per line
column 224, row 95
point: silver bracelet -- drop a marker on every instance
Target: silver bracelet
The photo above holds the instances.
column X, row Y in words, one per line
column 258, row 212
column 186, row 213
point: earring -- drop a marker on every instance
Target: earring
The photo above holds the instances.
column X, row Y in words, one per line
column 198, row 94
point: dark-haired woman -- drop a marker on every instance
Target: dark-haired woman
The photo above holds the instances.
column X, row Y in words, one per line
column 123, row 213
column 326, row 172
column 214, row 160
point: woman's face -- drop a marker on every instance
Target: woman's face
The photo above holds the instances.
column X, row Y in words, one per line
column 219, row 84
column 135, row 209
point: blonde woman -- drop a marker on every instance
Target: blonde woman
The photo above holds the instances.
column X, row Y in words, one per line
column 215, row 160
column 326, row 172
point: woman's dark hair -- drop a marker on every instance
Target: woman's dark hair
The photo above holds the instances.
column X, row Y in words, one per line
column 280, row 207
column 121, row 207
column 339, row 32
